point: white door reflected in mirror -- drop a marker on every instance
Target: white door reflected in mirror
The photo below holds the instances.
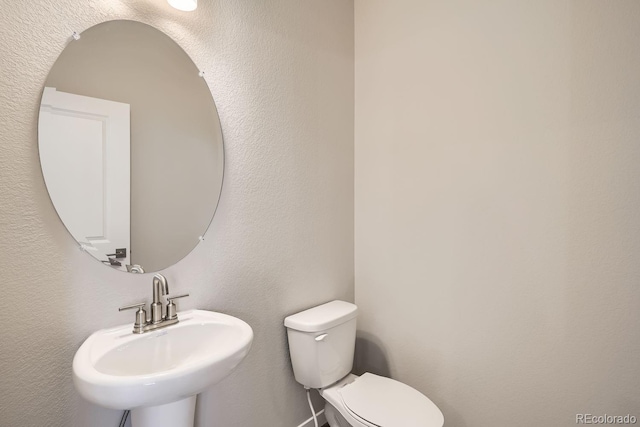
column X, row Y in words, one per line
column 85, row 155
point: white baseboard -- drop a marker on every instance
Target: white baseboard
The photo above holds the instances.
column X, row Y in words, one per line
column 321, row 420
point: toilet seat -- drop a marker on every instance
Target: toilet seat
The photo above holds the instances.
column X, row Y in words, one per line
column 384, row 402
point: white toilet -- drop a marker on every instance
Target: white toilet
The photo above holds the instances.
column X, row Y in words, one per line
column 322, row 342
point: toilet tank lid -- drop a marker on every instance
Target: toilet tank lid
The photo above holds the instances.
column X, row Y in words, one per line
column 322, row 317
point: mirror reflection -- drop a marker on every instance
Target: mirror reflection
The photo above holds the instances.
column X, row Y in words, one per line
column 130, row 146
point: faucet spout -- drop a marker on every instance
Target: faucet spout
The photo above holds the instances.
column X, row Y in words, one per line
column 159, row 285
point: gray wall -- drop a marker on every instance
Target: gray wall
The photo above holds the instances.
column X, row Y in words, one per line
column 281, row 73
column 498, row 205
column 176, row 142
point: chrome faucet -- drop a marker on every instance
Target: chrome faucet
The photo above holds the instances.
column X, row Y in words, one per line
column 157, row 321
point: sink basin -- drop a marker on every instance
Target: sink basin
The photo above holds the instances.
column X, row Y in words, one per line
column 118, row 369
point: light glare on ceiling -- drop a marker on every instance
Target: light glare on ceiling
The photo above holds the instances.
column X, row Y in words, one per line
column 185, row 5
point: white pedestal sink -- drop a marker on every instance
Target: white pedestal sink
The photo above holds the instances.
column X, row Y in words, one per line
column 158, row 374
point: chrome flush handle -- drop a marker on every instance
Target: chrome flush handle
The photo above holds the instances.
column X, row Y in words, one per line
column 321, row 337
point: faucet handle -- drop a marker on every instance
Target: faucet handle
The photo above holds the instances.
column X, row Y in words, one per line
column 171, row 307
column 139, row 306
column 141, row 316
column 170, row 298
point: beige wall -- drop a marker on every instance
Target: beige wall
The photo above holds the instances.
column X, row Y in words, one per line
column 176, row 142
column 498, row 205
column 281, row 73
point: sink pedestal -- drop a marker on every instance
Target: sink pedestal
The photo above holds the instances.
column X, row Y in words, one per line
column 174, row 414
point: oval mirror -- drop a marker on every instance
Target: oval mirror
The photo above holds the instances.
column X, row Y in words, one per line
column 130, row 146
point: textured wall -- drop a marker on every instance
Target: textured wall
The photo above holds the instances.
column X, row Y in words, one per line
column 498, row 205
column 281, row 73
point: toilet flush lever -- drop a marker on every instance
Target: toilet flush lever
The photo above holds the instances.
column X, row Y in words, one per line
column 321, row 337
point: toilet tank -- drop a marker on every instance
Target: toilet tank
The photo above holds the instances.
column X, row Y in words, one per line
column 321, row 343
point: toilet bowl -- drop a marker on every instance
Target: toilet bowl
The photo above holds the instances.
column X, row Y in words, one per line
column 321, row 344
